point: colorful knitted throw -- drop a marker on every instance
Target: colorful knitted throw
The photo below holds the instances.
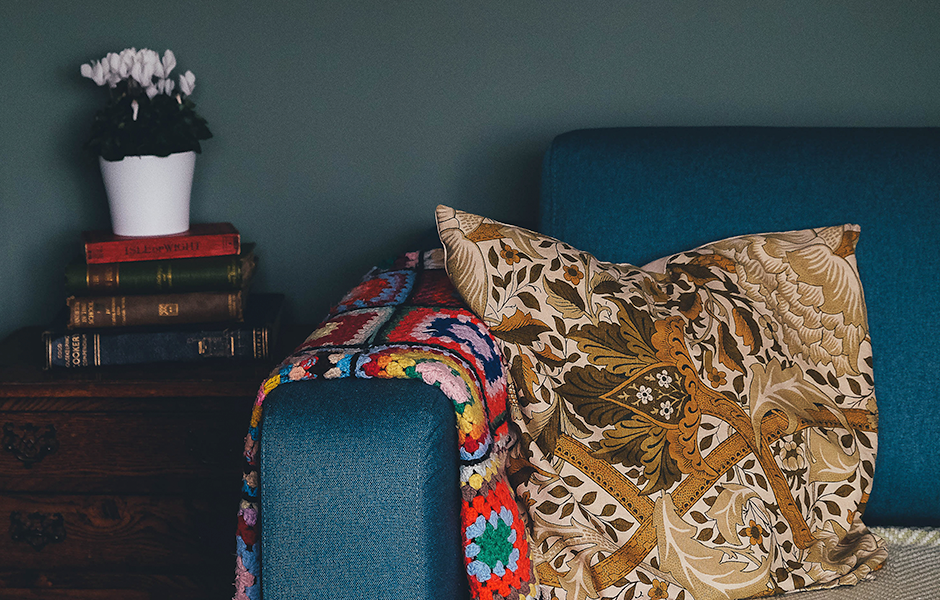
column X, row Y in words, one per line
column 406, row 321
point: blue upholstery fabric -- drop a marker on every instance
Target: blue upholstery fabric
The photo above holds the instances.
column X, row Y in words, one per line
column 359, row 494
column 636, row 194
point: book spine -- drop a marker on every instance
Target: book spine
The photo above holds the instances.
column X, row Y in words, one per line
column 154, row 309
column 156, row 276
column 134, row 249
column 92, row 349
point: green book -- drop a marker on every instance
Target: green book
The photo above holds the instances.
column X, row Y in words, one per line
column 209, row 273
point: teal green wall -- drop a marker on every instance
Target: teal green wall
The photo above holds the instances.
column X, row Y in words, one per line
column 340, row 125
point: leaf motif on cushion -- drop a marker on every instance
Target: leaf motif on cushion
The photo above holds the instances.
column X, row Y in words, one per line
column 549, row 358
column 584, row 388
column 638, row 442
column 623, row 347
column 603, row 283
column 690, row 305
column 829, row 461
column 745, row 327
column 786, row 390
column 728, row 509
column 728, row 352
column 714, row 573
column 485, row 231
column 520, row 328
column 614, row 347
column 564, row 298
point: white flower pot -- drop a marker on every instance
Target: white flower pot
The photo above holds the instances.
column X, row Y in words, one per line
column 149, row 195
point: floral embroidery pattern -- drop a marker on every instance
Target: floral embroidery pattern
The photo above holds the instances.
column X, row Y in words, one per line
column 705, row 428
column 389, row 327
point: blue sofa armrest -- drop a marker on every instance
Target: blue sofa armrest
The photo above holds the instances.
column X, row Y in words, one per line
column 359, row 492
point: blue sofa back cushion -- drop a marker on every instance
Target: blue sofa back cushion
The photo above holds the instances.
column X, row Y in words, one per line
column 636, row 194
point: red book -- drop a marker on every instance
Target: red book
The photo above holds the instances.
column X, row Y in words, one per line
column 202, row 239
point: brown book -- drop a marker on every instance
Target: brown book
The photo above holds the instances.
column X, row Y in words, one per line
column 155, row 309
column 202, row 239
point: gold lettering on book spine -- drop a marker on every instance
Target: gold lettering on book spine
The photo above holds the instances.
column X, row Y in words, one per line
column 102, row 277
column 75, row 353
column 83, row 312
column 163, row 277
column 168, row 310
column 116, row 309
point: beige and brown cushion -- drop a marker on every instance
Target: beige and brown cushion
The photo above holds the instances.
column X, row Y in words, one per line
column 701, row 428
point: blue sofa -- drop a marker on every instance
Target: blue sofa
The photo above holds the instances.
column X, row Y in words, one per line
column 350, row 511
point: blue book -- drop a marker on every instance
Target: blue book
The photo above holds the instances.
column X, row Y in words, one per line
column 252, row 339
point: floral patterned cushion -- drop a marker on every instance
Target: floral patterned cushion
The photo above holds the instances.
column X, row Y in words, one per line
column 703, row 427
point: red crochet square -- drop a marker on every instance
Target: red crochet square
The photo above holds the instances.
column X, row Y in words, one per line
column 353, row 328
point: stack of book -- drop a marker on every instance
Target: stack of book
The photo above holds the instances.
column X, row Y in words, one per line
column 164, row 298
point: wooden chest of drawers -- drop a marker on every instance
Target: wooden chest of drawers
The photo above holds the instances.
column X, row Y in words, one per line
column 120, row 482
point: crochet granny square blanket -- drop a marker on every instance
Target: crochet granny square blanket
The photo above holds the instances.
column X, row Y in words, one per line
column 406, row 321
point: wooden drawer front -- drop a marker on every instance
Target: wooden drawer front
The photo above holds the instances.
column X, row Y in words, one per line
column 129, row 452
column 107, row 533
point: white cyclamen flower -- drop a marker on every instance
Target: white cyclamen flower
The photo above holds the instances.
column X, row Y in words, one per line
column 137, row 73
column 169, row 63
column 187, row 83
column 113, row 66
column 114, row 61
column 128, row 58
column 145, row 64
column 148, row 56
column 96, row 71
column 151, row 62
column 145, row 67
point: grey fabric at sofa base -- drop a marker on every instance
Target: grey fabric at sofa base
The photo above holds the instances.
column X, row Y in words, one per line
column 912, row 571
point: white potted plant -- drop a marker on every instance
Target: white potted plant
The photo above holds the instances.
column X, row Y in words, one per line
column 146, row 139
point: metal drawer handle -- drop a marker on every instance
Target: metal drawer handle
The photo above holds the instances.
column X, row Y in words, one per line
column 30, row 444
column 37, row 529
